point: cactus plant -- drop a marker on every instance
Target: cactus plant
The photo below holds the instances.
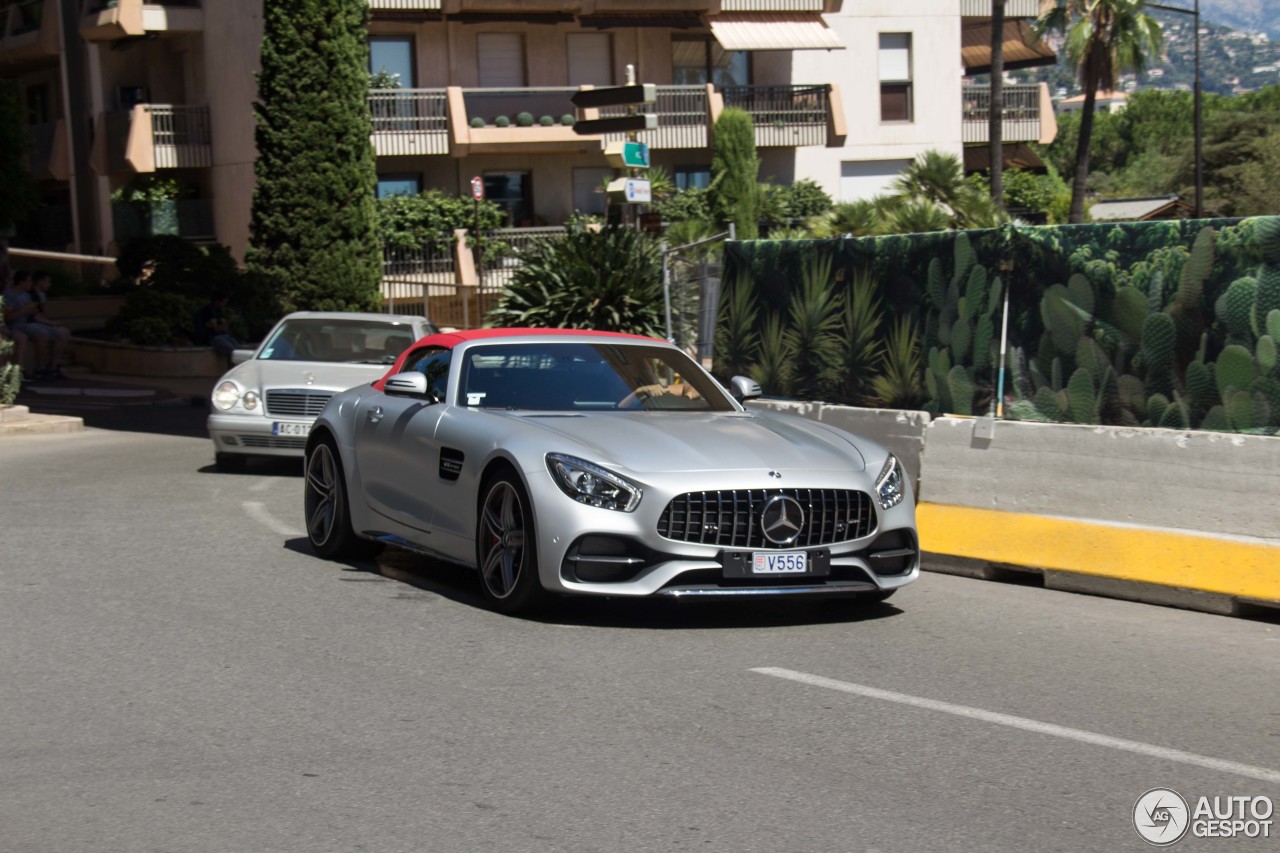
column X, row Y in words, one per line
column 1235, row 370
column 1266, row 354
column 961, row 386
column 1239, row 307
column 1049, row 405
column 1060, row 318
column 1273, row 324
column 1216, row 420
column 1157, row 342
column 1197, row 269
column 1129, row 312
column 1239, row 405
column 1081, row 293
column 1201, row 391
column 1082, row 397
column 1267, row 298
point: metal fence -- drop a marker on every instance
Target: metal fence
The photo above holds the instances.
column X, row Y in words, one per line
column 409, row 121
column 423, row 281
column 498, row 273
column 683, row 115
column 784, row 115
column 182, row 136
column 1021, row 113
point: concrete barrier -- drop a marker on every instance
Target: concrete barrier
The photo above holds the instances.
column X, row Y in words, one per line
column 1184, row 518
column 902, row 432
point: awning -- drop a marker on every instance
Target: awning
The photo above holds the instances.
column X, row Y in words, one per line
column 757, row 31
column 977, row 158
column 1021, row 47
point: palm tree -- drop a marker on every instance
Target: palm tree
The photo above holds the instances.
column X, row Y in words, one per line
column 995, row 109
column 1104, row 39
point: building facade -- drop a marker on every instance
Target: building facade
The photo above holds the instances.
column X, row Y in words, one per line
column 153, row 101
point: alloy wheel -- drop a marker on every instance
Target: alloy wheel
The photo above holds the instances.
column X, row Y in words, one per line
column 324, row 494
column 502, row 540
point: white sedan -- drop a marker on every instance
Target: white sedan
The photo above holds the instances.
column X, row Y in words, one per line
column 266, row 403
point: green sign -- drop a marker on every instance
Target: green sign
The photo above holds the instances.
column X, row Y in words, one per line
column 628, row 155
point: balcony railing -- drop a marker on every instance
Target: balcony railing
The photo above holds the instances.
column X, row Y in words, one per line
column 409, row 121
column 1012, row 8
column 192, row 217
column 28, row 32
column 784, row 116
column 181, row 135
column 1021, row 113
column 683, row 116
column 773, row 5
column 156, row 136
column 405, row 5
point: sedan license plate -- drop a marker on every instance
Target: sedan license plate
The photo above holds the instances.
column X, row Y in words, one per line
column 779, row 563
column 301, row 430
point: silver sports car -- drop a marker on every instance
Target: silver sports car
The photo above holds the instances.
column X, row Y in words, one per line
column 265, row 405
column 602, row 464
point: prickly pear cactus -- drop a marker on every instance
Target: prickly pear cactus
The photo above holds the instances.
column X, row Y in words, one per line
column 1083, row 397
column 961, row 385
column 1239, row 308
column 1236, row 370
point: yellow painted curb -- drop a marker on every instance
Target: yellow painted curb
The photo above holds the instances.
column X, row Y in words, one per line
column 1145, row 555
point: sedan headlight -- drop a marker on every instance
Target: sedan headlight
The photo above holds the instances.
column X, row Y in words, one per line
column 889, row 485
column 250, row 400
column 226, row 395
column 592, row 485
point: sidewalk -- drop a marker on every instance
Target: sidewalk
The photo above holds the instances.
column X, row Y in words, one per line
column 82, row 388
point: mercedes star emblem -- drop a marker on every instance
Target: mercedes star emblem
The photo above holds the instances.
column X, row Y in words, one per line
column 781, row 520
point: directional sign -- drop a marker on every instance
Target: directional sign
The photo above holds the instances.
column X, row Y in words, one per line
column 477, row 188
column 621, row 124
column 627, row 155
column 632, row 190
column 615, row 96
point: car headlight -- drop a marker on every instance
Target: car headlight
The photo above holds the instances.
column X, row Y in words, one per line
column 250, row 400
column 226, row 395
column 592, row 485
column 889, row 485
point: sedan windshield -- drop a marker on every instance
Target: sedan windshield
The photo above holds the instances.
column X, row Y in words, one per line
column 345, row 341
column 567, row 377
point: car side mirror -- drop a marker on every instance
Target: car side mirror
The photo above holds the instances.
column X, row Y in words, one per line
column 744, row 388
column 409, row 384
column 240, row 356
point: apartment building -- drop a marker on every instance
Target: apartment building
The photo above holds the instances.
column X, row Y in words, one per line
column 844, row 93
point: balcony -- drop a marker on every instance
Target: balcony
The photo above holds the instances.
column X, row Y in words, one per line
column 110, row 20
column 785, row 116
column 50, row 153
column 1028, row 115
column 1012, row 8
column 459, row 122
column 408, row 122
column 685, row 115
column 28, row 33
column 191, row 218
column 151, row 137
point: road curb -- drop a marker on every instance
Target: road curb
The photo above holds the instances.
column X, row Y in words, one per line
column 1175, row 568
column 19, row 420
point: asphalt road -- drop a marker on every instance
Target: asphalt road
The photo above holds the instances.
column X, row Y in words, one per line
column 178, row 674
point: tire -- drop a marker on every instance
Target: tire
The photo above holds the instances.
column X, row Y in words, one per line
column 229, row 463
column 326, row 510
column 506, row 550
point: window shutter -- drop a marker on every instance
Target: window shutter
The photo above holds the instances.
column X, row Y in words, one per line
column 501, row 60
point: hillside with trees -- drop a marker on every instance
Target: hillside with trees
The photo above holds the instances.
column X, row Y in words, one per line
column 1147, row 149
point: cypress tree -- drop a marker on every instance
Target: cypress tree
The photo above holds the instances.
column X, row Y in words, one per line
column 735, row 172
column 313, row 235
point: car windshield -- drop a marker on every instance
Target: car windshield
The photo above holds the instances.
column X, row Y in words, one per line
column 343, row 341
column 570, row 377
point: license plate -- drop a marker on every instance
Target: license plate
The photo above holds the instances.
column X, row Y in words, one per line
column 301, row 430
column 779, row 562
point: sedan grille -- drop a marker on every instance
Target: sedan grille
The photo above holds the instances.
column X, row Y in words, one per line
column 292, row 403
column 731, row 519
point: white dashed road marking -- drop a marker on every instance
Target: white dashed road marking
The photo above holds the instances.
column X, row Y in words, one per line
column 1263, row 774
column 258, row 512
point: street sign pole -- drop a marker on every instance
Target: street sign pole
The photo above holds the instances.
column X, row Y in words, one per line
column 633, row 154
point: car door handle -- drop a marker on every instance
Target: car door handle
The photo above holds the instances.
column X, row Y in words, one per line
column 375, row 414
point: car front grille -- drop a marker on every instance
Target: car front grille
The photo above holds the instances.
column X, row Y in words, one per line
column 292, row 403
column 290, row 443
column 731, row 519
